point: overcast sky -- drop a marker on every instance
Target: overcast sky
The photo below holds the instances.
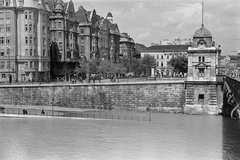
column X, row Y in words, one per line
column 150, row 21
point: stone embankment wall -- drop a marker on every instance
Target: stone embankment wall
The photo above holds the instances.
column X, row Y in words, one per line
column 162, row 96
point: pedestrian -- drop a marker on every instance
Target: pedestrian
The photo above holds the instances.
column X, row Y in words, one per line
column 43, row 112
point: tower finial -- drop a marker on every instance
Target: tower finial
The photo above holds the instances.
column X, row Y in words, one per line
column 202, row 14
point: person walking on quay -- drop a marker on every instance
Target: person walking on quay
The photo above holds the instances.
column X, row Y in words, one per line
column 43, row 112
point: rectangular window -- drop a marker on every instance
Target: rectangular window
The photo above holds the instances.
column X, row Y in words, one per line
column 8, row 29
column 2, row 65
column 3, row 75
column 1, row 53
column 201, row 72
column 26, row 15
column 7, row 3
column 30, row 52
column 30, row 27
column 82, row 48
column 1, row 16
column 26, row 27
column 1, row 28
column 44, row 53
column 8, row 15
column 8, row 64
column 44, row 30
column 31, row 64
column 30, row 40
column 44, row 41
column 201, row 59
column 2, row 40
column 59, row 34
column 201, row 98
column 59, row 24
column 60, row 45
column 30, row 15
column 26, row 40
column 8, row 40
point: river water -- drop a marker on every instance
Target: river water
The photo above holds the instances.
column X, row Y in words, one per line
column 167, row 136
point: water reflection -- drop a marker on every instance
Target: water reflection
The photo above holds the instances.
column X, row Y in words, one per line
column 231, row 139
column 168, row 136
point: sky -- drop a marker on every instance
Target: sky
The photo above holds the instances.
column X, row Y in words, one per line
column 151, row 21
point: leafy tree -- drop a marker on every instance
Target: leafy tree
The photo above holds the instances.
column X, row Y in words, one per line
column 147, row 62
column 179, row 64
column 81, row 68
column 93, row 65
column 105, row 68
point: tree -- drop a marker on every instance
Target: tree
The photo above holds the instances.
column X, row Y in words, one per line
column 179, row 64
column 93, row 66
column 147, row 62
column 81, row 68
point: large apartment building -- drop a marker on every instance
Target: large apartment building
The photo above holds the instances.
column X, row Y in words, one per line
column 24, row 40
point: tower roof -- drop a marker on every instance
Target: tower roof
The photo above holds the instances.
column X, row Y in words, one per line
column 202, row 32
column 109, row 14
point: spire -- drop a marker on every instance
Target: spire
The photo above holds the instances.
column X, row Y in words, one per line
column 202, row 14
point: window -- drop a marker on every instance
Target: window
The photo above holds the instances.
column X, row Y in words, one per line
column 3, row 75
column 1, row 16
column 82, row 30
column 44, row 41
column 8, row 29
column 161, row 64
column 2, row 65
column 1, row 53
column 167, row 56
column 30, row 40
column 201, row 98
column 8, row 64
column 59, row 24
column 201, row 72
column 44, row 53
column 82, row 48
column 2, row 40
column 68, row 54
column 26, row 51
column 161, row 56
column 82, row 39
column 26, row 40
column 59, row 34
column 26, row 15
column 7, row 3
column 8, row 40
column 30, row 52
column 60, row 45
column 201, row 59
column 26, row 64
column 44, row 30
column 31, row 64
column 8, row 14
column 26, row 27
column 30, row 15
column 1, row 28
column 30, row 27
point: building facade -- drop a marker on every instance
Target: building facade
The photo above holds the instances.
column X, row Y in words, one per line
column 127, row 46
column 202, row 89
column 24, row 41
column 163, row 54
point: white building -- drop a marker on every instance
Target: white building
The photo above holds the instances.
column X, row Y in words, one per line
column 24, row 40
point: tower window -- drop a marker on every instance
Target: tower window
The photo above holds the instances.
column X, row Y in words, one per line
column 201, row 59
column 201, row 72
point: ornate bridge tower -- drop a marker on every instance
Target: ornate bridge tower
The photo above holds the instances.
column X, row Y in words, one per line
column 203, row 93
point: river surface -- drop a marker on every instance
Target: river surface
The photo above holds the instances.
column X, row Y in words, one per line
column 167, row 136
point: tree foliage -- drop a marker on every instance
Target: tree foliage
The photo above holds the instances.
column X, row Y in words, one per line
column 81, row 68
column 147, row 62
column 179, row 63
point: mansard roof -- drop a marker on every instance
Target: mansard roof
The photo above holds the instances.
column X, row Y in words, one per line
column 167, row 48
column 81, row 15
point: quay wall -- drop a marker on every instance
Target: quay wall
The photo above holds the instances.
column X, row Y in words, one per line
column 137, row 96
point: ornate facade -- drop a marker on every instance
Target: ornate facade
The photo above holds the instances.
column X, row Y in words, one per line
column 24, row 40
column 127, row 46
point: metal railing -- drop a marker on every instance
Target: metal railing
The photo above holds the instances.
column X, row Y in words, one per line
column 70, row 114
